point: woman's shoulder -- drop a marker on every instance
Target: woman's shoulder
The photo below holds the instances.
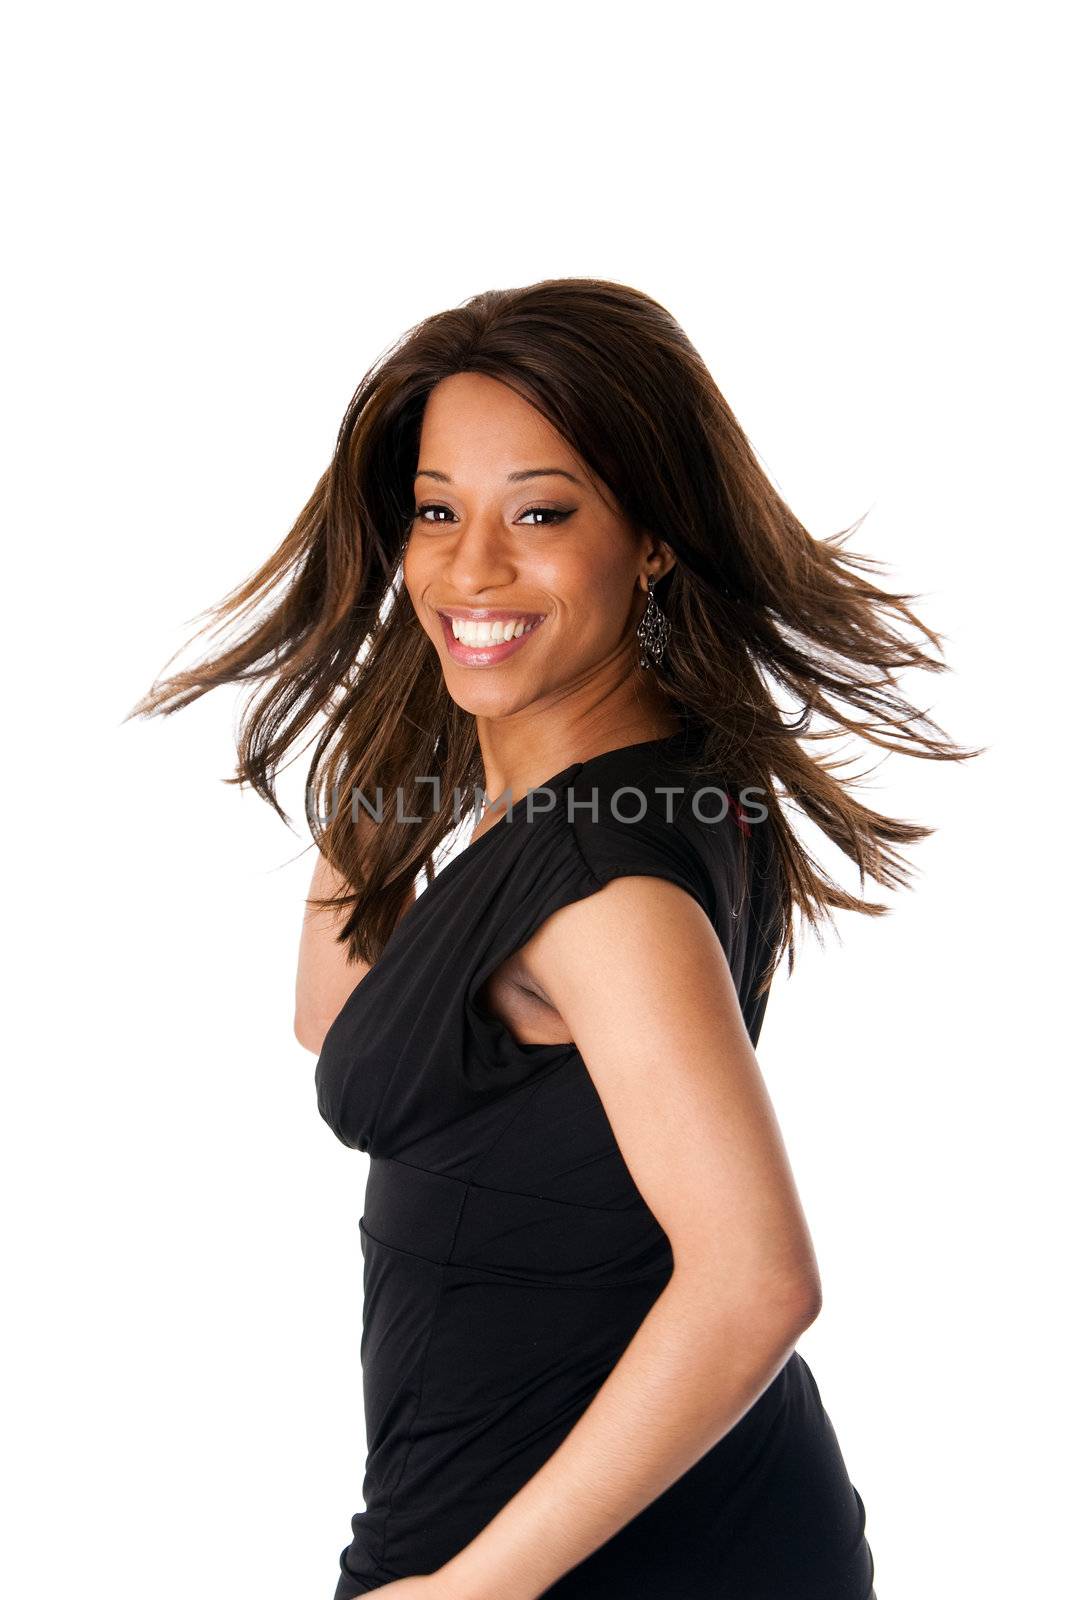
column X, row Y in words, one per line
column 650, row 808
column 663, row 783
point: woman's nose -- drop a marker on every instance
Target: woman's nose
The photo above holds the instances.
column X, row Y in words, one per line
column 478, row 559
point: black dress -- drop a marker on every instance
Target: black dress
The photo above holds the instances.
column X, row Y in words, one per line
column 508, row 1256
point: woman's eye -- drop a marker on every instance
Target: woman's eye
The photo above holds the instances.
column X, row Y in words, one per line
column 547, row 511
column 420, row 514
column 549, row 515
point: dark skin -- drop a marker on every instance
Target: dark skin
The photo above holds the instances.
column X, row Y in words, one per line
column 633, row 974
column 546, row 545
column 543, row 545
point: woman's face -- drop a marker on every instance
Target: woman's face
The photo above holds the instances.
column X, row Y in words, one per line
column 509, row 528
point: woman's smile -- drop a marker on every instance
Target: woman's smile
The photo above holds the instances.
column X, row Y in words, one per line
column 484, row 640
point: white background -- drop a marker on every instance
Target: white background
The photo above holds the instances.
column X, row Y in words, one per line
column 218, row 217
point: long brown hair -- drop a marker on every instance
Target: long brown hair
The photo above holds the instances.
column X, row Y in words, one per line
column 778, row 637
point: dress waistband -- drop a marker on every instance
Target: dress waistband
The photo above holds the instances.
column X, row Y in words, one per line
column 456, row 1223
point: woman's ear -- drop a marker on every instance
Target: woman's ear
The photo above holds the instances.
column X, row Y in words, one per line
column 659, row 557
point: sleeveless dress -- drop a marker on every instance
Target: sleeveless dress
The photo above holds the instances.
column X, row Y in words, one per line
column 507, row 1255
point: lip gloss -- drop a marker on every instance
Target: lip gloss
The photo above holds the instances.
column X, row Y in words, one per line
column 483, row 655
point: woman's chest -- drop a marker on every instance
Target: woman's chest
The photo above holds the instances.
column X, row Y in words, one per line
column 423, row 1045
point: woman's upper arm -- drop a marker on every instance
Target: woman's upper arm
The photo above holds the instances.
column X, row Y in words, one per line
column 325, row 977
column 640, row 975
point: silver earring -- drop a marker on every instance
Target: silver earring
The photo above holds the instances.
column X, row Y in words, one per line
column 653, row 630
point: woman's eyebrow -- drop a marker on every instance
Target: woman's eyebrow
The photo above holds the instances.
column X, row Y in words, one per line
column 512, row 477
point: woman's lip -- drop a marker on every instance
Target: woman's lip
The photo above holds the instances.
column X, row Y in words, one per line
column 473, row 614
column 488, row 654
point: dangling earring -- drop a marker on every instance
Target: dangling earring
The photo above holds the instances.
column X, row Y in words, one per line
column 653, row 630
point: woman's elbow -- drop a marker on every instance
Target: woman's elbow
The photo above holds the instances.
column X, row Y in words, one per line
column 773, row 1310
column 785, row 1310
column 786, row 1305
column 309, row 1029
column 801, row 1307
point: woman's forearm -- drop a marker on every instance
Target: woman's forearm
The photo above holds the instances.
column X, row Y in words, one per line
column 690, row 1372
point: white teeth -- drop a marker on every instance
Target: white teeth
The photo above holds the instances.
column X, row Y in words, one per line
column 474, row 633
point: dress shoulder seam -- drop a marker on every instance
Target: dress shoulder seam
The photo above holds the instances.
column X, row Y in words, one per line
column 576, row 844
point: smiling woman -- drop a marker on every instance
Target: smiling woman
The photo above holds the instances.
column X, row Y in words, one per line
column 545, row 563
column 476, row 538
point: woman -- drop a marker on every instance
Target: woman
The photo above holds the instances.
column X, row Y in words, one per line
column 545, row 565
